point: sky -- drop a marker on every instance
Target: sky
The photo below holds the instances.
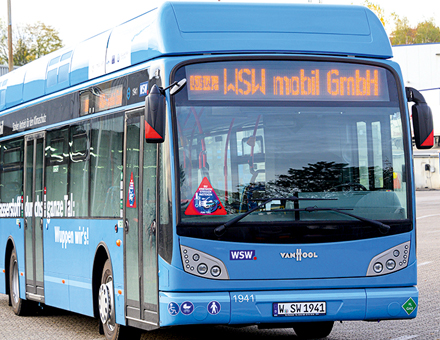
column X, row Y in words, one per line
column 78, row 20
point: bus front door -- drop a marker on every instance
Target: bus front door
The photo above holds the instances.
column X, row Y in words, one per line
column 140, row 176
column 33, row 197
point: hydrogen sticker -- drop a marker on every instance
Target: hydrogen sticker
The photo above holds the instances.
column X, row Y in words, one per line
column 187, row 308
column 173, row 308
column 409, row 306
column 214, row 307
column 131, row 200
column 205, row 201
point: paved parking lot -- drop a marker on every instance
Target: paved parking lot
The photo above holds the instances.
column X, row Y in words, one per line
column 56, row 324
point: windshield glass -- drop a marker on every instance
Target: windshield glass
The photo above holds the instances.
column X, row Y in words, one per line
column 254, row 130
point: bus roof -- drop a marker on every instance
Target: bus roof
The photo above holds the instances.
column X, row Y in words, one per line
column 177, row 28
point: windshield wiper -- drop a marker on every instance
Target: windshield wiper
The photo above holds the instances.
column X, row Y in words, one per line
column 221, row 229
column 383, row 228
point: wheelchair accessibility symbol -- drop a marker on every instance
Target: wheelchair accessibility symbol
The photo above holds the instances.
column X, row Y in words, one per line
column 173, row 308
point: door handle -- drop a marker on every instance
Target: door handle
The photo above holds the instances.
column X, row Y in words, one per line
column 126, row 226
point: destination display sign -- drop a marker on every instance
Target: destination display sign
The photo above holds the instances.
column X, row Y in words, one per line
column 286, row 80
column 96, row 99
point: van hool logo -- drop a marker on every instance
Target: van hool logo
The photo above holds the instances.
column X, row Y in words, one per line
column 299, row 255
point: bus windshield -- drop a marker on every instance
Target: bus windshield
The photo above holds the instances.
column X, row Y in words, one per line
column 251, row 131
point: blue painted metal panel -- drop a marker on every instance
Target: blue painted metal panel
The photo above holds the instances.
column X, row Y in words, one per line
column 176, row 279
column 336, row 260
column 194, row 308
column 3, row 86
column 254, row 307
column 388, row 303
column 34, row 83
column 342, row 304
column 12, row 228
column 339, row 30
column 69, row 251
column 14, row 87
column 88, row 60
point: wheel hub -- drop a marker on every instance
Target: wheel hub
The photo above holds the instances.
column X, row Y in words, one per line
column 105, row 303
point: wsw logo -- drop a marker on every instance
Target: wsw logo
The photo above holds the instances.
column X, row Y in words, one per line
column 242, row 255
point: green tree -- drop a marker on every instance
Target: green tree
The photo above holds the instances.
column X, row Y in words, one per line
column 377, row 10
column 427, row 32
column 403, row 34
column 30, row 42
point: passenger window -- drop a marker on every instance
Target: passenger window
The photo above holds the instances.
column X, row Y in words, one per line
column 106, row 167
column 57, row 162
column 11, row 172
column 79, row 168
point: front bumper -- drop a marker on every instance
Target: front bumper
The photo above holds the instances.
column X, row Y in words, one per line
column 256, row 307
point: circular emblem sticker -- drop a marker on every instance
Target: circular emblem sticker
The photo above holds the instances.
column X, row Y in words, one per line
column 173, row 308
column 187, row 308
column 214, row 307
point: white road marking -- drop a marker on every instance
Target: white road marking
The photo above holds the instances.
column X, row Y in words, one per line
column 426, row 216
column 406, row 337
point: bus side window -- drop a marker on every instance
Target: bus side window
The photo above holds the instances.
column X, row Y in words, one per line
column 57, row 152
column 11, row 171
column 79, row 153
column 106, row 166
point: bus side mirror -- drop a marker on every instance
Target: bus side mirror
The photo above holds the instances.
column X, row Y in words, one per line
column 422, row 120
column 155, row 116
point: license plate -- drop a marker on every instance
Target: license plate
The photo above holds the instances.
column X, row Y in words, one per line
column 299, row 308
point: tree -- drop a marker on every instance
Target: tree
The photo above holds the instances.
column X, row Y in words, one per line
column 425, row 32
column 403, row 34
column 377, row 10
column 30, row 42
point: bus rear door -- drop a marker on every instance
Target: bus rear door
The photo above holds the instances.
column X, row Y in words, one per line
column 33, row 214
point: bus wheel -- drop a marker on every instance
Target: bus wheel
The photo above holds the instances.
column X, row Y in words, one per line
column 106, row 304
column 18, row 305
column 313, row 330
column 106, row 307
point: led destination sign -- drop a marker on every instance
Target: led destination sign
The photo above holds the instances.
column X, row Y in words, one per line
column 284, row 80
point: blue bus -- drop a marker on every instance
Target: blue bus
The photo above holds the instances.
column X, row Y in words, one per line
column 214, row 163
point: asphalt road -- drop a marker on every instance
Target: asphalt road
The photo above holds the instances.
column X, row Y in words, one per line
column 56, row 324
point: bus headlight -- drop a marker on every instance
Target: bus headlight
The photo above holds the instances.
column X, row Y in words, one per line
column 390, row 261
column 202, row 268
column 216, row 271
column 201, row 264
column 378, row 267
column 391, row 264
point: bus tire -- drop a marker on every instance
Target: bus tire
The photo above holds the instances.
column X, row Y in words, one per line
column 313, row 330
column 106, row 307
column 19, row 306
